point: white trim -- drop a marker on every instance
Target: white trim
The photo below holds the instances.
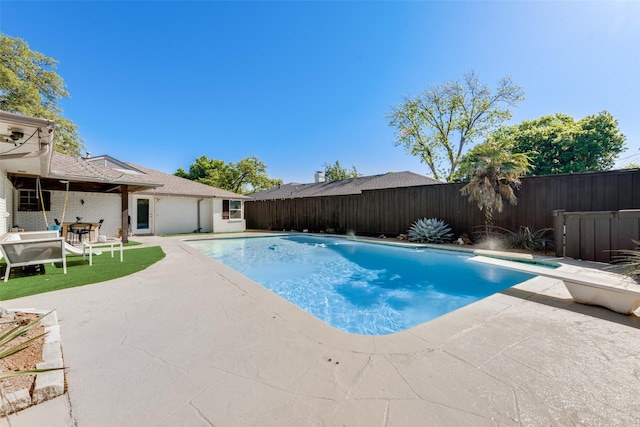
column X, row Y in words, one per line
column 134, row 216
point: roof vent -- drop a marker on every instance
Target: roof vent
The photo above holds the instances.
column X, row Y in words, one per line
column 319, row 176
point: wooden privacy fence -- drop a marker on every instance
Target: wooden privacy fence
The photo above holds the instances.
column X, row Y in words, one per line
column 595, row 236
column 392, row 211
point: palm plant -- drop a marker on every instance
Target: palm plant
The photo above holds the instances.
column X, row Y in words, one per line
column 494, row 175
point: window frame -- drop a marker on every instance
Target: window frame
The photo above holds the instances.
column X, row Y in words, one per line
column 229, row 212
column 28, row 201
column 233, row 210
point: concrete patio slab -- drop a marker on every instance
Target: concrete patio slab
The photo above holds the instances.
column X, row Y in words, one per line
column 190, row 342
column 52, row 413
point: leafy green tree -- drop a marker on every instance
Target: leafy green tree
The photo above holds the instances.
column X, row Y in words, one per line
column 495, row 174
column 438, row 125
column 631, row 166
column 30, row 86
column 336, row 172
column 247, row 176
column 559, row 144
column 201, row 168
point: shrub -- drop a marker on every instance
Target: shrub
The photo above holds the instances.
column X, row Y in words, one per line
column 630, row 260
column 529, row 239
column 430, row 230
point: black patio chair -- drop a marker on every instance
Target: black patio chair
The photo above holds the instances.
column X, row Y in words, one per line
column 78, row 231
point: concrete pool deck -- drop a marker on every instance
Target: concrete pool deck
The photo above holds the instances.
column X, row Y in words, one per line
column 189, row 342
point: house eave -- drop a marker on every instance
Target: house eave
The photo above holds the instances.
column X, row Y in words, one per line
column 31, row 154
column 83, row 184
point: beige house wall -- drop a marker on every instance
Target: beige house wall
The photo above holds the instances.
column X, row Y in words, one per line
column 171, row 214
column 175, row 215
column 226, row 225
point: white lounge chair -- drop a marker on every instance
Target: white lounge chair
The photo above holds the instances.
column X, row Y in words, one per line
column 21, row 249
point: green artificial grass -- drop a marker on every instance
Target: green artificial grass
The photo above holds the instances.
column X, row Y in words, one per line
column 79, row 272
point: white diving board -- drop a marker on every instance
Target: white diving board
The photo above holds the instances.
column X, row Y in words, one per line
column 586, row 285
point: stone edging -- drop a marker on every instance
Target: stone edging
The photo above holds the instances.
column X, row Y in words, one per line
column 48, row 384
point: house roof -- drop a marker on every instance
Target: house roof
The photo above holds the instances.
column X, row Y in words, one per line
column 174, row 185
column 78, row 169
column 345, row 187
column 26, row 151
column 106, row 174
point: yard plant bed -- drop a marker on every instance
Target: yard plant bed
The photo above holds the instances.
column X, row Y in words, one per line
column 33, row 336
column 24, row 360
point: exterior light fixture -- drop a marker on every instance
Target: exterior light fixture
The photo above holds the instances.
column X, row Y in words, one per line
column 16, row 135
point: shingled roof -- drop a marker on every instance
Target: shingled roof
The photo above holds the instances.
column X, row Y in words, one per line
column 174, row 185
column 345, row 187
column 78, row 169
column 106, row 172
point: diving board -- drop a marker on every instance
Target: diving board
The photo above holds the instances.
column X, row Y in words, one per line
column 586, row 285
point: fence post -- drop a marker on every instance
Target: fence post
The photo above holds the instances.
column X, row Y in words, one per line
column 559, row 232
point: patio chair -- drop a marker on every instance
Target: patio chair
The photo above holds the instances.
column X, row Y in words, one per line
column 78, row 231
column 19, row 253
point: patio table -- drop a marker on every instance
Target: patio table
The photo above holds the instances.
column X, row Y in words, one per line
column 91, row 245
column 92, row 234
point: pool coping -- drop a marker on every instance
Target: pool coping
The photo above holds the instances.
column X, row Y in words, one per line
column 407, row 341
column 527, row 355
column 515, row 256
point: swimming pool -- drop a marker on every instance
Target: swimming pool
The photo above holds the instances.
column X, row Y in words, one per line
column 361, row 287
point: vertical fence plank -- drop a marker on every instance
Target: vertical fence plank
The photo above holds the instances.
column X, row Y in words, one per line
column 572, row 246
column 587, row 238
column 559, row 230
column 628, row 229
column 598, row 191
column 635, row 194
column 602, row 238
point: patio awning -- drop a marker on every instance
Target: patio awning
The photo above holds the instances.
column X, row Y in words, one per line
column 84, row 176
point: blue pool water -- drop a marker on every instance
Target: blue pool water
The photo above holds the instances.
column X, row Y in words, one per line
column 361, row 287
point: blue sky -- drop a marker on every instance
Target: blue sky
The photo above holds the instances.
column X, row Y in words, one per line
column 300, row 84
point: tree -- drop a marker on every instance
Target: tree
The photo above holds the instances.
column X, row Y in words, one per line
column 495, row 174
column 30, row 86
column 559, row 144
column 247, row 176
column 438, row 125
column 335, row 172
column 201, row 168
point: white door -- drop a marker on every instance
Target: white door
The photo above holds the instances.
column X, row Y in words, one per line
column 142, row 218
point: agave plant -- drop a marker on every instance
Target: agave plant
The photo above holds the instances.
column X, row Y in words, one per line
column 430, row 230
